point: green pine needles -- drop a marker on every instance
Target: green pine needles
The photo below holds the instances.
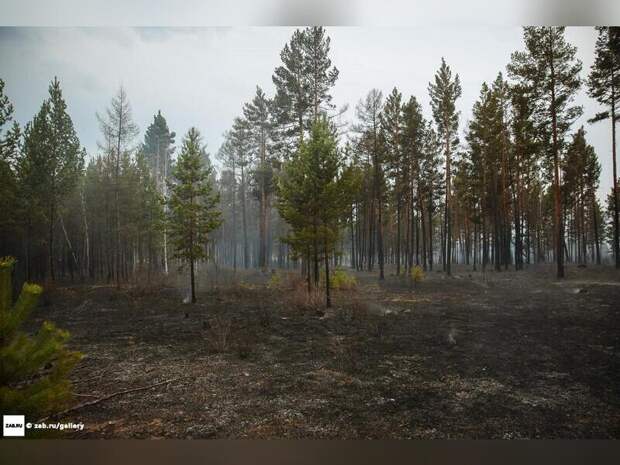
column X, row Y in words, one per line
column 33, row 369
column 312, row 199
column 192, row 204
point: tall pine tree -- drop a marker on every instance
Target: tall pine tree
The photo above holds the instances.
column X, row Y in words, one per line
column 549, row 70
column 604, row 86
column 444, row 92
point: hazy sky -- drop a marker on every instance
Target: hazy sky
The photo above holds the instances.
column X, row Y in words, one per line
column 201, row 77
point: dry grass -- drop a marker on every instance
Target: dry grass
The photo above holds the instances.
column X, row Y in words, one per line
column 218, row 333
column 344, row 353
column 300, row 299
column 146, row 285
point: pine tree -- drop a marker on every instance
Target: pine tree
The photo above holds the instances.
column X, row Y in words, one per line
column 303, row 82
column 392, row 127
column 158, row 148
column 33, row 370
column 431, row 182
column 604, row 86
column 581, row 171
column 148, row 212
column 414, row 127
column 9, row 152
column 52, row 164
column 257, row 115
column 227, row 154
column 444, row 92
column 192, row 213
column 550, row 71
column 318, row 69
column 292, row 99
column 312, row 197
column 368, row 113
column 240, row 140
column 525, row 166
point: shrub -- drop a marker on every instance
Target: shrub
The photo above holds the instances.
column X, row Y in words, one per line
column 264, row 314
column 339, row 279
column 218, row 333
column 244, row 344
column 344, row 353
column 275, row 281
column 33, row 370
column 299, row 298
column 377, row 327
column 417, row 274
column 355, row 310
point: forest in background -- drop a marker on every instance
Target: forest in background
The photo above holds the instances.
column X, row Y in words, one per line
column 300, row 189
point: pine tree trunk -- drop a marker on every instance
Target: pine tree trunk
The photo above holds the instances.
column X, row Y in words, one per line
column 117, row 206
column 430, row 230
column 423, row 229
column 615, row 184
column 448, row 218
column 165, row 192
column 328, row 300
column 262, row 253
column 353, row 261
column 244, row 221
column 559, row 225
column 380, row 241
column 596, row 238
column 397, row 237
column 192, row 280
column 51, row 237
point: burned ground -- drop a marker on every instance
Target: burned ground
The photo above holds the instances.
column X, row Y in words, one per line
column 500, row 355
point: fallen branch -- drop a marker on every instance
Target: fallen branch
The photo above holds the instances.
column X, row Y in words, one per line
column 110, row 396
column 96, row 377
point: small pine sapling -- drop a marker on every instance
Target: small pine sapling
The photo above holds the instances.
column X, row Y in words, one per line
column 33, row 369
column 417, row 274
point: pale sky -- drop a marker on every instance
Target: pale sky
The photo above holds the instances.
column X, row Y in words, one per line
column 202, row 76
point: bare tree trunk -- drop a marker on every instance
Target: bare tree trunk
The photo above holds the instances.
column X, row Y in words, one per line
column 596, row 238
column 430, row 230
column 192, row 280
column 616, row 194
column 328, row 300
column 559, row 226
column 71, row 251
column 244, row 221
column 86, row 234
column 117, row 204
column 51, row 237
column 448, row 218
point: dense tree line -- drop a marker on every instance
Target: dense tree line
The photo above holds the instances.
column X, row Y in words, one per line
column 520, row 189
column 297, row 188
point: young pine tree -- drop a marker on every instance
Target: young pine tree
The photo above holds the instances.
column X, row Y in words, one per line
column 33, row 370
column 192, row 214
column 313, row 197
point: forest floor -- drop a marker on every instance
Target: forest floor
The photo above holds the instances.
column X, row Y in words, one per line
column 501, row 355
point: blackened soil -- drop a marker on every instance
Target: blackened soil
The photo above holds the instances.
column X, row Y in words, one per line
column 500, row 355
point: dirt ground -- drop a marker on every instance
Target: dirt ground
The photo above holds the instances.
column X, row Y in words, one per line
column 501, row 355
